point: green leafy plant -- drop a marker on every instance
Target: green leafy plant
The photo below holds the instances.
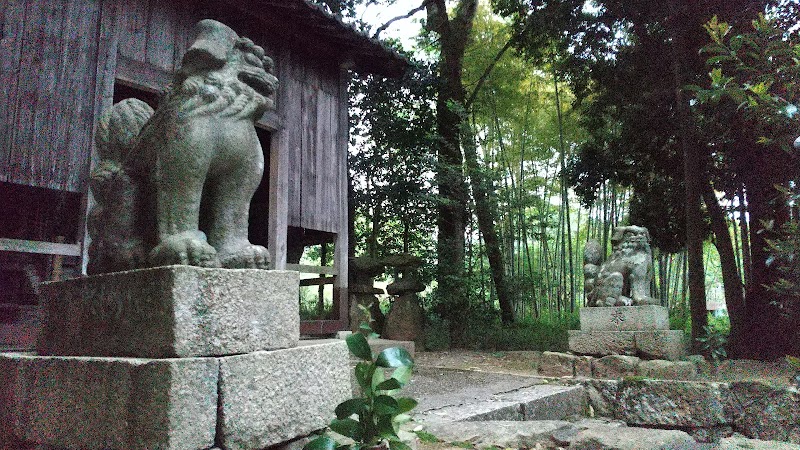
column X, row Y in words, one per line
column 795, row 362
column 372, row 420
column 713, row 343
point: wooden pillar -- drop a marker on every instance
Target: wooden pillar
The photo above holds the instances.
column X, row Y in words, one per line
column 340, row 249
column 279, row 171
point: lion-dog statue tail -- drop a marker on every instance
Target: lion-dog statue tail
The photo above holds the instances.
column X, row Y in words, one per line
column 117, row 239
column 173, row 186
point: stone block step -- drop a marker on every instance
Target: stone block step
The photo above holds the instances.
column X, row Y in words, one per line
column 584, row 434
column 505, row 398
column 244, row 402
column 168, row 312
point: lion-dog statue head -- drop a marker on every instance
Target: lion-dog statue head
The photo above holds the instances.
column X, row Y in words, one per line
column 190, row 172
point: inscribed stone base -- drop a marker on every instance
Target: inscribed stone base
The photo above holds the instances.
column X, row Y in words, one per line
column 174, row 311
column 92, row 403
column 657, row 344
column 624, row 318
column 271, row 397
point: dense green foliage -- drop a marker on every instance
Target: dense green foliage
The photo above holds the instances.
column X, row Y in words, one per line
column 600, row 102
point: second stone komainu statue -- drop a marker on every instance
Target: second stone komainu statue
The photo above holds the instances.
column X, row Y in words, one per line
column 192, row 164
column 624, row 279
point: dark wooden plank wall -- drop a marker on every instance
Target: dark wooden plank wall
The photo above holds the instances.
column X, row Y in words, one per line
column 313, row 126
column 56, row 85
column 49, row 54
column 152, row 38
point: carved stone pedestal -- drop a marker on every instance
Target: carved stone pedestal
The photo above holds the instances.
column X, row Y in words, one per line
column 173, row 311
column 627, row 330
column 107, row 376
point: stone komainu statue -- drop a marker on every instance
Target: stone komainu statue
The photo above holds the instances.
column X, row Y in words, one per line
column 192, row 164
column 624, row 279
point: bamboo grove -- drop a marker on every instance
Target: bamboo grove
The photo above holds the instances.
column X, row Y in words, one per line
column 545, row 139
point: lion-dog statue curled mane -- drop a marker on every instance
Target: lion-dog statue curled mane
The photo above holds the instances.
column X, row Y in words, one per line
column 192, row 164
column 624, row 278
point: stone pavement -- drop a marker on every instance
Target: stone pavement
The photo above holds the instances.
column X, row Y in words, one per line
column 476, row 409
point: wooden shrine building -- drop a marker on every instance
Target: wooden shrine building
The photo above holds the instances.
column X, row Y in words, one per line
column 63, row 62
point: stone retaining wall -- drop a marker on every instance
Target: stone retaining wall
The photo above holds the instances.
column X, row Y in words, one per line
column 707, row 410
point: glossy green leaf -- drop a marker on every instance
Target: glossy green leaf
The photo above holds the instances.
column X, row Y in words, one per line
column 400, row 419
column 388, row 385
column 378, row 377
column 364, row 372
column 394, row 357
column 321, row 443
column 396, row 444
column 348, row 427
column 406, row 404
column 403, row 374
column 386, row 428
column 359, row 346
column 386, row 404
column 349, row 407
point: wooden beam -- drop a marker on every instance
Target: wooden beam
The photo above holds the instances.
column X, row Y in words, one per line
column 270, row 121
column 141, row 75
column 318, row 327
column 44, row 248
column 326, row 270
column 316, row 281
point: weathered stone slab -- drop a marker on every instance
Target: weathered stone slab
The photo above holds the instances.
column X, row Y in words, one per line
column 554, row 364
column 602, row 396
column 624, row 318
column 549, row 402
column 601, row 343
column 614, row 366
column 667, row 370
column 175, row 311
column 610, row 437
column 661, row 344
column 664, row 403
column 583, row 366
column 740, row 443
column 271, row 397
column 498, row 433
column 765, row 412
column 90, row 403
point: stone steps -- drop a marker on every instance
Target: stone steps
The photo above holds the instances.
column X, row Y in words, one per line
column 489, row 409
column 506, row 397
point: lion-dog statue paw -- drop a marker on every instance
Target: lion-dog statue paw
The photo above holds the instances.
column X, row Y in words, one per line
column 189, row 168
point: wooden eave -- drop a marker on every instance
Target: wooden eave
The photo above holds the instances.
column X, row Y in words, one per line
column 311, row 27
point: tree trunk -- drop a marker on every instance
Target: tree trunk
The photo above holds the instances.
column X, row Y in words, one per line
column 481, row 193
column 732, row 282
column 692, row 170
column 453, row 37
column 768, row 332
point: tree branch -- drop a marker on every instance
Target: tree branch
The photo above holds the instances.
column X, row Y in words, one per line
column 486, row 73
column 395, row 19
column 437, row 16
